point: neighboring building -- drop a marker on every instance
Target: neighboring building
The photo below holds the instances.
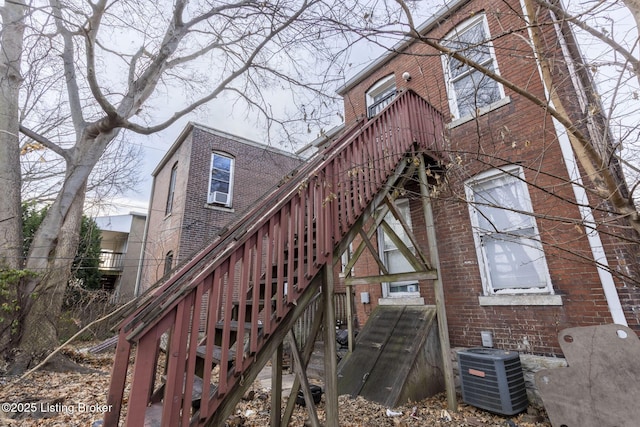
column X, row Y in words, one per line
column 515, row 256
column 207, row 179
column 120, row 252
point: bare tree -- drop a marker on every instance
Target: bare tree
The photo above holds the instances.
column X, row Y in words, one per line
column 98, row 69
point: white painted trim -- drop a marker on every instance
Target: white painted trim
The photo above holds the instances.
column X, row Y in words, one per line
column 401, row 301
column 593, row 237
column 480, row 112
column 513, row 300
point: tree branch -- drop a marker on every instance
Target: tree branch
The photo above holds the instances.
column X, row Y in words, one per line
column 46, row 142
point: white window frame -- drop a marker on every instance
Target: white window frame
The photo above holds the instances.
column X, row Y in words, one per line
column 480, row 19
column 513, row 173
column 173, row 177
column 382, row 87
column 211, row 195
column 401, row 204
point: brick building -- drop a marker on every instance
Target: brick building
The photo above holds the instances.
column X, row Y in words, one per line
column 207, row 179
column 528, row 270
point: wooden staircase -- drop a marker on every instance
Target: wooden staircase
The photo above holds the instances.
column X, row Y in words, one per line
column 223, row 314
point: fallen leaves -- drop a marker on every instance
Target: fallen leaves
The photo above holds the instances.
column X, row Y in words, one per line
column 73, row 399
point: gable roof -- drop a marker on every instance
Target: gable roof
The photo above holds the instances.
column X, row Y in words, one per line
column 239, row 139
column 399, row 47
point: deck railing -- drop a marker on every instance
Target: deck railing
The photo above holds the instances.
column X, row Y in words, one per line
column 253, row 276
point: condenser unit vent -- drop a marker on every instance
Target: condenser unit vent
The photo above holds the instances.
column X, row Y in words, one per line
column 492, row 379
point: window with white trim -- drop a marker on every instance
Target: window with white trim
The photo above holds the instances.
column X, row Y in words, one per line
column 470, row 91
column 172, row 189
column 508, row 246
column 393, row 259
column 380, row 95
column 221, row 180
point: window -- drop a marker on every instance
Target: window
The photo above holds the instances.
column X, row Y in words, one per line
column 172, row 189
column 393, row 259
column 168, row 262
column 469, row 90
column 380, row 95
column 508, row 247
column 221, row 182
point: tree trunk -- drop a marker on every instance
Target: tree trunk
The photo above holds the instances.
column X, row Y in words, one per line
column 40, row 322
column 10, row 174
column 10, row 80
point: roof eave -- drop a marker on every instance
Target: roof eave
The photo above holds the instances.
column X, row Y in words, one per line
column 399, row 47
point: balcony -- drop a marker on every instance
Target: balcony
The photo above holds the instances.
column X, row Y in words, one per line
column 111, row 262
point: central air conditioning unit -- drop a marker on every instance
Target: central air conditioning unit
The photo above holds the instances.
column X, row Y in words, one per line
column 219, row 197
column 492, row 379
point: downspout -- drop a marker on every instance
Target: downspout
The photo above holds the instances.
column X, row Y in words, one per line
column 136, row 291
column 586, row 214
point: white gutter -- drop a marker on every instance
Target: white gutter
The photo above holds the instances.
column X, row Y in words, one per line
column 593, row 237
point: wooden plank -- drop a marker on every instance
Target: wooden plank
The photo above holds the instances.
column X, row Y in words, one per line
column 373, row 252
column 411, row 275
column 318, row 317
column 409, row 232
column 443, row 328
column 402, row 247
column 118, row 381
column 355, row 368
column 386, row 379
column 276, row 388
column 330, row 364
column 298, row 367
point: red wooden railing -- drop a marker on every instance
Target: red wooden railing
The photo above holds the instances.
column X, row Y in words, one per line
column 224, row 305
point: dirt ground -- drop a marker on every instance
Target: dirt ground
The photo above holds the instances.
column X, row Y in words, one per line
column 55, row 399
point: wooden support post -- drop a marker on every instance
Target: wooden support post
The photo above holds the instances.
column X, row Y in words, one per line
column 276, row 387
column 330, row 363
column 349, row 290
column 439, row 292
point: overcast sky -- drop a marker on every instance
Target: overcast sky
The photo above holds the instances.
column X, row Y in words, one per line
column 217, row 114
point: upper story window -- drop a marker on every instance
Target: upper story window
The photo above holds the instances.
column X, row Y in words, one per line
column 172, row 189
column 508, row 245
column 221, row 180
column 470, row 91
column 380, row 95
column 168, row 262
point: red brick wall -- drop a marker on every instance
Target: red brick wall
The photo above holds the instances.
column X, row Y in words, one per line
column 163, row 232
column 519, row 132
column 193, row 222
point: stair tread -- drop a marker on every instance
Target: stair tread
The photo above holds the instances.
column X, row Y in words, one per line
column 153, row 415
column 217, row 353
column 198, row 383
column 234, row 325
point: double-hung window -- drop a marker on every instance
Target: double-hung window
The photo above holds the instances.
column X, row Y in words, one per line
column 508, row 246
column 221, row 180
column 380, row 95
column 470, row 91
